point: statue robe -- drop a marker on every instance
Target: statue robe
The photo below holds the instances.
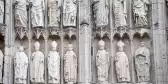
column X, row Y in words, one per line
column 120, row 11
column 21, row 66
column 37, row 67
column 140, row 11
column 53, row 67
column 70, row 67
column 21, row 14
column 101, row 12
column 1, row 65
column 142, row 63
column 102, row 63
column 122, row 67
column 37, row 13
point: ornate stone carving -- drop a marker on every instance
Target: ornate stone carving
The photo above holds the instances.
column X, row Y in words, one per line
column 101, row 11
column 142, row 63
column 21, row 66
column 37, row 13
column 140, row 9
column 1, row 65
column 37, row 65
column 2, row 11
column 102, row 63
column 70, row 66
column 54, row 64
column 120, row 13
column 69, row 13
column 122, row 64
column 54, row 13
column 21, row 18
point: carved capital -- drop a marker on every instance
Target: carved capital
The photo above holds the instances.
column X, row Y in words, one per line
column 38, row 31
column 102, row 31
column 54, row 30
column 21, row 31
column 70, row 31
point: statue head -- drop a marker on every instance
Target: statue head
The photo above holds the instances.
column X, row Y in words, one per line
column 142, row 44
column 120, row 45
column 21, row 49
column 54, row 45
column 70, row 47
column 37, row 45
column 101, row 44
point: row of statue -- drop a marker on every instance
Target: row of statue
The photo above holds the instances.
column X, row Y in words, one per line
column 100, row 9
column 142, row 63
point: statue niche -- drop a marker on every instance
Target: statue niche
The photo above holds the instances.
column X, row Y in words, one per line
column 37, row 65
column 54, row 64
column 101, row 12
column 120, row 13
column 69, row 13
column 122, row 64
column 54, row 12
column 70, row 66
column 140, row 10
column 142, row 63
column 21, row 66
column 102, row 63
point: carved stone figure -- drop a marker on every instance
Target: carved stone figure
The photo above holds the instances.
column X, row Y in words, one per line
column 122, row 64
column 54, row 12
column 70, row 66
column 54, row 64
column 1, row 11
column 101, row 11
column 142, row 63
column 69, row 13
column 21, row 13
column 37, row 13
column 102, row 63
column 37, row 65
column 1, row 65
column 120, row 13
column 140, row 9
column 21, row 66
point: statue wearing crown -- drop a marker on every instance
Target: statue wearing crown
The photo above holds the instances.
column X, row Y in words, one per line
column 102, row 63
column 54, row 64
column 70, row 66
column 37, row 65
column 122, row 64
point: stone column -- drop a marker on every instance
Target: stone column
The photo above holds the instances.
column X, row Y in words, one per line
column 159, row 42
column 8, row 70
column 84, row 60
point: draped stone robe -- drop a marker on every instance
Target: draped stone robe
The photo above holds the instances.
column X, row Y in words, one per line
column 120, row 12
column 101, row 12
column 102, row 63
column 54, row 67
column 122, row 67
column 142, row 63
column 70, row 67
column 21, row 14
column 21, row 66
column 37, row 67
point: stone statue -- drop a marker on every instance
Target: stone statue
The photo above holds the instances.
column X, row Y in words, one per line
column 54, row 64
column 21, row 13
column 54, row 12
column 69, row 13
column 70, row 66
column 102, row 63
column 37, row 13
column 142, row 63
column 140, row 9
column 101, row 11
column 122, row 64
column 37, row 65
column 2, row 7
column 120, row 13
column 1, row 65
column 21, row 66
